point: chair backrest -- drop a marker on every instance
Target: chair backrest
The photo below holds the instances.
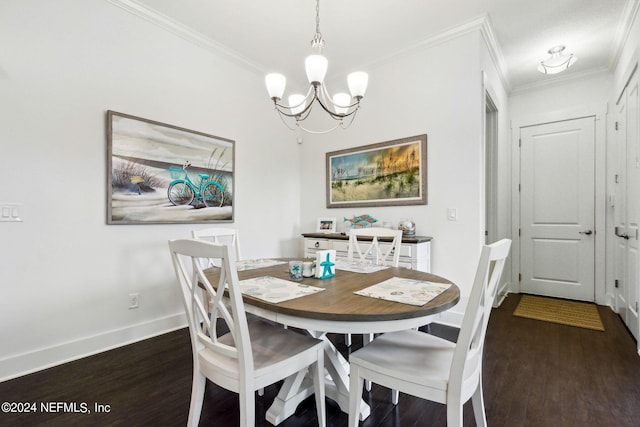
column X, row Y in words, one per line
column 466, row 367
column 228, row 236
column 370, row 250
column 204, row 303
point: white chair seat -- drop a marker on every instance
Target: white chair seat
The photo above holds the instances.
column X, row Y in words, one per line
column 403, row 355
column 272, row 347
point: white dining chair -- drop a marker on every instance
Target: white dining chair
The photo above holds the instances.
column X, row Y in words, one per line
column 370, row 252
column 251, row 355
column 223, row 235
column 430, row 367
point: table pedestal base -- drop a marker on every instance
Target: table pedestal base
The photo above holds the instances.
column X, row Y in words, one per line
column 298, row 387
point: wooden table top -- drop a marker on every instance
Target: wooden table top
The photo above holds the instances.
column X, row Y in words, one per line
column 339, row 303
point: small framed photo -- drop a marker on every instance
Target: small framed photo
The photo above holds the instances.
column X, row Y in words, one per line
column 326, row 225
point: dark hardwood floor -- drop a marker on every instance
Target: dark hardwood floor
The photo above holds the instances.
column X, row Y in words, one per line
column 535, row 374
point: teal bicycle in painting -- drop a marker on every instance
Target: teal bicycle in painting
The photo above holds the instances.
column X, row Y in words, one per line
column 183, row 191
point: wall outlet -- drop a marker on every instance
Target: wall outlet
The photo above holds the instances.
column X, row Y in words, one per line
column 134, row 300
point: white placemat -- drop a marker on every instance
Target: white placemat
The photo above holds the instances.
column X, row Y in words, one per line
column 358, row 267
column 252, row 264
column 406, row 291
column 274, row 290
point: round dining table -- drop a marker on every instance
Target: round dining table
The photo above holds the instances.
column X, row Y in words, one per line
column 337, row 309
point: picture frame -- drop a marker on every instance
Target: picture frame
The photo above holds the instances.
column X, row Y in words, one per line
column 390, row 173
column 326, row 225
column 158, row 173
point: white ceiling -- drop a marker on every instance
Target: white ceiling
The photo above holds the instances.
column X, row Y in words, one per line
column 274, row 35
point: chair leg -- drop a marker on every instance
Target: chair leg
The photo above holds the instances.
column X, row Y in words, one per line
column 347, row 340
column 478, row 407
column 355, row 396
column 454, row 414
column 318, row 386
column 366, row 339
column 197, row 398
column 394, row 396
column 247, row 407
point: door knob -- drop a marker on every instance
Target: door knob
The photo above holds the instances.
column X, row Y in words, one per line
column 625, row 236
column 587, row 232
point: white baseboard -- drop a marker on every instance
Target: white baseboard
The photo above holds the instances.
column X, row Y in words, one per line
column 26, row 363
column 453, row 317
column 503, row 292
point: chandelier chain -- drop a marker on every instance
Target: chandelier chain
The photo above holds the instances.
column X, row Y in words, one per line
column 317, row 42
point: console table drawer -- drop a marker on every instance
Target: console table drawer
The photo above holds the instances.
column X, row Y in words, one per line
column 316, row 244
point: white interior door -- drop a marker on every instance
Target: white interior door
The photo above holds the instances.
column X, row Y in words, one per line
column 557, row 244
column 621, row 243
column 627, row 207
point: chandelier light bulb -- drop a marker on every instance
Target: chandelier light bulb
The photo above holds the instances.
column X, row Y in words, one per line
column 276, row 83
column 297, row 102
column 316, row 67
column 358, row 82
column 341, row 102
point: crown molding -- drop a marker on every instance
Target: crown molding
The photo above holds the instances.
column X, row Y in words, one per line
column 488, row 35
column 627, row 20
column 186, row 33
column 480, row 24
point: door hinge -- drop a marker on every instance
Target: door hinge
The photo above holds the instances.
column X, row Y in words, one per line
column 636, row 306
column 519, row 232
column 519, row 188
column 616, row 125
column 519, row 277
column 616, row 284
column 520, row 142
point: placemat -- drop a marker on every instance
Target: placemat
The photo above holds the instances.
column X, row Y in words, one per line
column 406, row 291
column 275, row 290
column 252, row 264
column 358, row 267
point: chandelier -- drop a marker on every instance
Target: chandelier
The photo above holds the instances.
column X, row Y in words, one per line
column 557, row 62
column 339, row 107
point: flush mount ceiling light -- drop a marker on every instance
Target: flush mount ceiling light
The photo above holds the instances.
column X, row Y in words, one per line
column 339, row 107
column 557, row 62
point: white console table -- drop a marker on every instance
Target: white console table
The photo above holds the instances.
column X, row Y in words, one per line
column 415, row 251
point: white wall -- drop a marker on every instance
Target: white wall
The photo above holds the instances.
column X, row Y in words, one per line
column 65, row 275
column 436, row 91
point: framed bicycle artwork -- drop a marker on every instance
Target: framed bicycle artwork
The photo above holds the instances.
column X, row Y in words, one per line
column 161, row 174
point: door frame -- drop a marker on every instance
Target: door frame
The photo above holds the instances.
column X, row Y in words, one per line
column 599, row 112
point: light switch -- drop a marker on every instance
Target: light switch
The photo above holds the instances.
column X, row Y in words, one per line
column 452, row 214
column 10, row 212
